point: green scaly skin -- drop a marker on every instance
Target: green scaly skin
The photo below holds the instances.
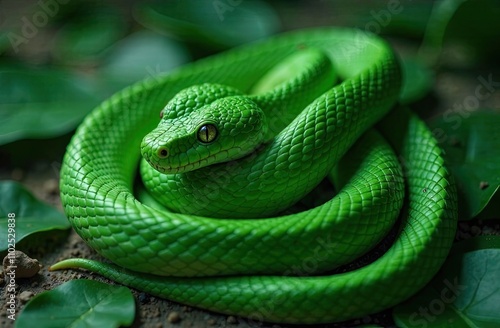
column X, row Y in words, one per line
column 252, row 126
column 248, row 267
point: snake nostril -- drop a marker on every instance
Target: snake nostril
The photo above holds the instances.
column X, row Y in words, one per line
column 162, row 152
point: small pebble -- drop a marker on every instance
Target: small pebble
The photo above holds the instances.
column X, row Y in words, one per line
column 143, row 298
column 26, row 267
column 211, row 322
column 232, row 320
column 25, row 296
column 173, row 317
column 51, row 187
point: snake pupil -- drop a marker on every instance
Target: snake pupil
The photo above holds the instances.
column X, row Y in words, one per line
column 207, row 133
column 162, row 153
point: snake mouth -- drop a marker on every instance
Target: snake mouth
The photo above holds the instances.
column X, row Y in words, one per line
column 191, row 166
column 178, row 169
column 172, row 170
column 169, row 169
column 158, row 168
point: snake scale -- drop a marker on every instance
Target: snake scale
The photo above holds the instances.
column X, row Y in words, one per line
column 230, row 245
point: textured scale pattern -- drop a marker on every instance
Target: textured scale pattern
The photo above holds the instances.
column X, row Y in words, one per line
column 248, row 267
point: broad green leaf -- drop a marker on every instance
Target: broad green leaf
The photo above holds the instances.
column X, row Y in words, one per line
column 471, row 141
column 417, row 81
column 402, row 18
column 465, row 293
column 42, row 103
column 80, row 303
column 441, row 15
column 476, row 27
column 140, row 55
column 89, row 34
column 472, row 26
column 214, row 24
column 30, row 214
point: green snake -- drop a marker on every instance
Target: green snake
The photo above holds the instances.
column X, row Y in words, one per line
column 243, row 136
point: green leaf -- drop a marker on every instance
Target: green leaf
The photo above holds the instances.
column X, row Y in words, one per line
column 80, row 303
column 42, row 103
column 214, row 24
column 465, row 293
column 88, row 35
column 407, row 19
column 140, row 55
column 472, row 26
column 31, row 215
column 417, row 81
column 475, row 26
column 471, row 141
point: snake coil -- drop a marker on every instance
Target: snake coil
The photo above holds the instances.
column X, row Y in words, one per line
column 277, row 268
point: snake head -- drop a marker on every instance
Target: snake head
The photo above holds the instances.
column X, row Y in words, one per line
column 217, row 131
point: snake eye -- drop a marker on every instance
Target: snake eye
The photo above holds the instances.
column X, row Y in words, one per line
column 162, row 152
column 161, row 114
column 207, row 133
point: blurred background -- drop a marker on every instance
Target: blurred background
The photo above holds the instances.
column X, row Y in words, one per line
column 60, row 58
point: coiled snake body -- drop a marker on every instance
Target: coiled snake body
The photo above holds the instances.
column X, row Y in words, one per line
column 271, row 265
